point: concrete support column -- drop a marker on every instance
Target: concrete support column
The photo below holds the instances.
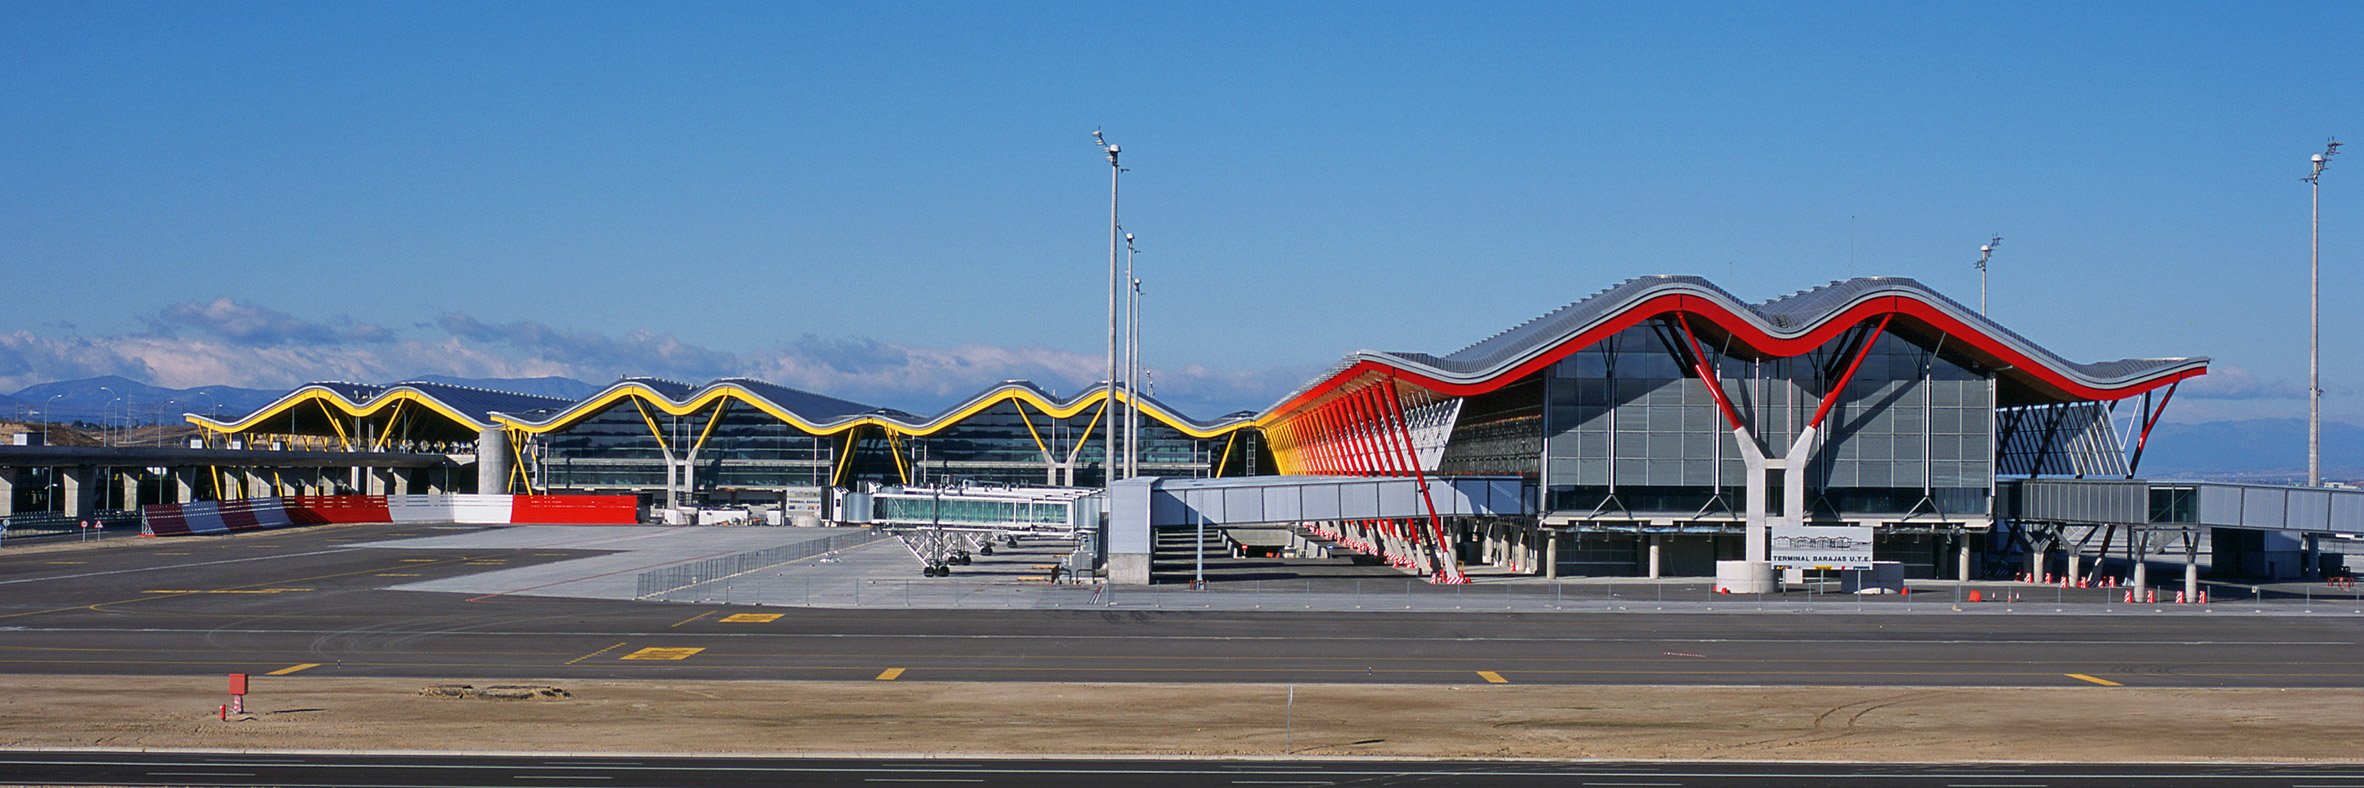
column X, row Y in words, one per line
column 2191, row 567
column 2313, row 551
column 1535, row 536
column 1657, row 557
column 492, row 463
column 400, row 484
column 7, row 491
column 1962, row 558
column 131, row 488
column 182, row 480
column 1551, row 555
column 2070, row 571
column 79, row 490
column 2036, row 561
column 2142, row 575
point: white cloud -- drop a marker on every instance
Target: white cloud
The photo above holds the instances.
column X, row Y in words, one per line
column 228, row 342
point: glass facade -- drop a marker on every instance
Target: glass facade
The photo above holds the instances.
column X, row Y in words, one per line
column 747, row 449
column 1626, row 425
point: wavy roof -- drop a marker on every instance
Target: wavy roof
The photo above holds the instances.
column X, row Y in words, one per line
column 824, row 415
column 482, row 409
column 1790, row 325
column 465, row 405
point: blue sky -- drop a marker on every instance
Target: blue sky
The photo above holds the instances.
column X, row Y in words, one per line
column 901, row 202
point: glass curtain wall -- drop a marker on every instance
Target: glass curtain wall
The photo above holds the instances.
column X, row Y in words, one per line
column 1628, row 426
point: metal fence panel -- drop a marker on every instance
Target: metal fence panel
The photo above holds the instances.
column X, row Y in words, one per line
column 656, row 583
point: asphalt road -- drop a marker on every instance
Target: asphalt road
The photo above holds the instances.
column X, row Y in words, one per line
column 199, row 769
column 311, row 601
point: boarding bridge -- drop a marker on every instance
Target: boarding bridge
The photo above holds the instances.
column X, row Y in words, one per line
column 1387, row 515
column 2252, row 529
column 944, row 526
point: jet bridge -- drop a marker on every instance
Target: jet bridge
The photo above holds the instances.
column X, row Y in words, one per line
column 2253, row 529
column 1396, row 517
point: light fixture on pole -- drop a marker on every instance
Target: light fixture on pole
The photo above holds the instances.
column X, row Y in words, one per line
column 2315, row 316
column 1132, row 365
column 49, row 414
column 1115, row 170
column 105, row 413
column 1985, row 252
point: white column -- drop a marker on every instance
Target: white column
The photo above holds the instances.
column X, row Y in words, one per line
column 1551, row 554
column 1657, row 557
column 492, row 461
column 79, row 490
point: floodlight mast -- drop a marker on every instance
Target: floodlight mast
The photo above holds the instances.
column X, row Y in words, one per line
column 1132, row 365
column 1985, row 252
column 1114, row 441
column 2314, row 181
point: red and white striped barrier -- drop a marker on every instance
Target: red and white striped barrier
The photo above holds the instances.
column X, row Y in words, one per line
column 247, row 514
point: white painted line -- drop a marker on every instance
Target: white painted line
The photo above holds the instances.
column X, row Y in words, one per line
column 201, row 774
column 562, row 777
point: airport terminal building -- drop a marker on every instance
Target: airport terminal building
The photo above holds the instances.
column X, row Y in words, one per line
column 1656, row 427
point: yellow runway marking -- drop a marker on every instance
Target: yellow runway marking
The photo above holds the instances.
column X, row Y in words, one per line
column 420, row 560
column 654, row 652
column 65, row 563
column 751, row 618
column 293, row 668
column 2102, row 682
column 102, row 606
column 890, row 674
column 225, row 591
column 1492, row 677
column 694, row 618
column 172, row 553
column 595, row 653
column 398, row 574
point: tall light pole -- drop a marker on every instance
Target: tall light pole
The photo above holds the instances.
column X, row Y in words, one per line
column 105, row 414
column 1132, row 365
column 1985, row 252
column 1115, row 170
column 2315, row 316
column 49, row 414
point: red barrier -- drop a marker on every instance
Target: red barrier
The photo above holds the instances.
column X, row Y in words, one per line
column 325, row 509
column 574, row 510
column 165, row 519
column 239, row 517
column 249, row 514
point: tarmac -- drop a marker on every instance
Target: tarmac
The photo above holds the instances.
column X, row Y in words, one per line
column 356, row 600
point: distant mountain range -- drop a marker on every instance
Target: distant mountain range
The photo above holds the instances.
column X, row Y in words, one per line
column 116, row 400
column 2263, row 450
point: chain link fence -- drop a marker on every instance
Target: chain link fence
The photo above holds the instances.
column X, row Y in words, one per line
column 658, row 583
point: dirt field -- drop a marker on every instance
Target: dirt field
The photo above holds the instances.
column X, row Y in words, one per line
column 1489, row 721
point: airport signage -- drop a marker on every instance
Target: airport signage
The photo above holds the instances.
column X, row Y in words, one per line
column 1823, row 546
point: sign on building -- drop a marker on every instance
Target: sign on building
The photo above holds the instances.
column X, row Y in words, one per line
column 1823, row 546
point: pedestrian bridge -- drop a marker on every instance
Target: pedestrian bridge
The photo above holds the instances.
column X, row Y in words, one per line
column 1145, row 504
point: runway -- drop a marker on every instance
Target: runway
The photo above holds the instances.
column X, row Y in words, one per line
column 316, row 602
column 441, row 771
